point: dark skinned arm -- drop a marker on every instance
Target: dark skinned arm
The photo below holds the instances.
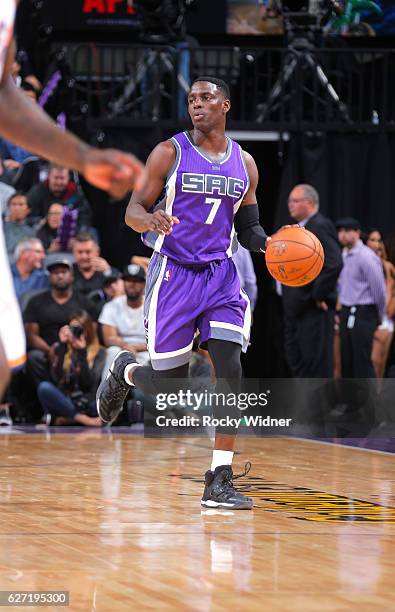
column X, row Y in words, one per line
column 157, row 167
column 34, row 339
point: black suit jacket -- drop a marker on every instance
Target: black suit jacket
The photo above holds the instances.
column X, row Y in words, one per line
column 298, row 299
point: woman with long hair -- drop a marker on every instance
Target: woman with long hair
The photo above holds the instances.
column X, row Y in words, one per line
column 384, row 333
column 75, row 375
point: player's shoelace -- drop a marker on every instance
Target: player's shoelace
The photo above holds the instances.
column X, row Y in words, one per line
column 119, row 390
column 231, row 477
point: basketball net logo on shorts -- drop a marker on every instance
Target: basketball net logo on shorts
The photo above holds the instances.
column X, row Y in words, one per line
column 167, row 275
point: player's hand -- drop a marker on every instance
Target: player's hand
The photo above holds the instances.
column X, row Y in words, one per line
column 161, row 223
column 281, row 228
column 113, row 171
column 322, row 305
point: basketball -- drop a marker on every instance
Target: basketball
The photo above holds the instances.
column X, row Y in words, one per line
column 294, row 256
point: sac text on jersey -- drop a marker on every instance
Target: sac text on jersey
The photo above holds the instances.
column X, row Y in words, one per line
column 212, row 183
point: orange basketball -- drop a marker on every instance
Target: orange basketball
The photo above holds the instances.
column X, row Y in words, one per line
column 294, row 256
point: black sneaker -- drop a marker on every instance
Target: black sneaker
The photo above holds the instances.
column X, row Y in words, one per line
column 219, row 491
column 113, row 390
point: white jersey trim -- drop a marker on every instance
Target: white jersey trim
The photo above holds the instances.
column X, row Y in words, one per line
column 230, row 249
column 170, row 193
column 245, row 330
column 12, row 333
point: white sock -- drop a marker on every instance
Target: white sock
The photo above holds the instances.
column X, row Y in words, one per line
column 221, row 457
column 128, row 370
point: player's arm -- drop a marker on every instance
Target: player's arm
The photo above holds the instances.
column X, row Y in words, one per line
column 158, row 166
column 25, row 124
column 250, row 233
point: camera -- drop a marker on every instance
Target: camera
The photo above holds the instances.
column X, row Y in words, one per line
column 77, row 331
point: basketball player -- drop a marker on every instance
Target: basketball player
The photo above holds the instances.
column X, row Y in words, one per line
column 192, row 283
column 26, row 125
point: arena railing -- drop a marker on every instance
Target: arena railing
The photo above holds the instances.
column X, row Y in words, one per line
column 272, row 89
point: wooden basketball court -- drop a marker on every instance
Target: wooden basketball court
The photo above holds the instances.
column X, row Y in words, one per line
column 115, row 519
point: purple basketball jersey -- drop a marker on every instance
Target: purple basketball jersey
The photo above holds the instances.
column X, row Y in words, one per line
column 205, row 196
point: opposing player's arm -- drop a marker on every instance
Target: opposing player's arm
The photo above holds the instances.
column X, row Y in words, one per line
column 250, row 233
column 158, row 166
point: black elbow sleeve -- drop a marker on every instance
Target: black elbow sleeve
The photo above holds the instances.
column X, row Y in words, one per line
column 249, row 233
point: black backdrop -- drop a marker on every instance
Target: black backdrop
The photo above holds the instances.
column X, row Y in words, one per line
column 353, row 173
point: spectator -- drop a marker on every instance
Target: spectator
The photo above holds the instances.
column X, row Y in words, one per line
column 90, row 270
column 77, row 363
column 11, row 154
column 122, row 319
column 140, row 261
column 49, row 229
column 46, row 313
column 384, row 333
column 27, row 272
column 245, row 269
column 362, row 295
column 309, row 311
column 16, row 227
column 113, row 286
column 59, row 188
column 6, row 191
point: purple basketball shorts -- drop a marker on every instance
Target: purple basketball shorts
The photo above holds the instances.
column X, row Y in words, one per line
column 181, row 300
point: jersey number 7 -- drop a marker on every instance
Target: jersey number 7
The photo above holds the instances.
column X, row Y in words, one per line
column 215, row 202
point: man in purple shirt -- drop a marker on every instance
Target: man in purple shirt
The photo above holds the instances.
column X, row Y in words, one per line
column 362, row 296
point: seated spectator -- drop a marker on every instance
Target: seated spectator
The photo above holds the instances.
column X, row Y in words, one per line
column 113, row 286
column 140, row 261
column 46, row 313
column 49, row 229
column 122, row 319
column 90, row 269
column 76, row 365
column 16, row 227
column 6, row 191
column 27, row 272
column 59, row 188
column 12, row 155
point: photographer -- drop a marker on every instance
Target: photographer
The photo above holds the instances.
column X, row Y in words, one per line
column 75, row 373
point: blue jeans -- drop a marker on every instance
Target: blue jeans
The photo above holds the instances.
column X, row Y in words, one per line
column 56, row 403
